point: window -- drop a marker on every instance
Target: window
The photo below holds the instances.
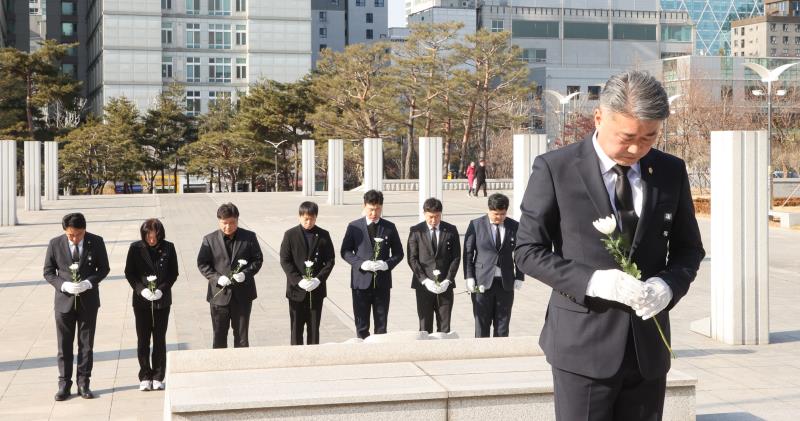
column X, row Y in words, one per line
column 594, row 92
column 497, row 26
column 634, row 32
column 166, row 4
column 379, row 3
column 785, row 51
column 68, row 69
column 219, row 70
column 193, row 69
column 192, row 7
column 334, row 2
column 773, row 26
column 571, row 89
column 369, row 17
column 785, row 27
column 323, row 16
column 797, row 28
column 67, row 8
column 323, row 46
column 323, row 32
column 219, row 36
column 773, row 39
column 192, row 35
column 241, row 5
column 166, row 33
column 241, row 68
column 797, row 40
column 369, row 33
column 583, row 30
column 530, row 29
column 219, row 7
column 68, row 29
column 534, row 55
column 214, row 96
column 360, row 3
column 241, row 34
column 166, row 67
column 192, row 103
column 773, row 52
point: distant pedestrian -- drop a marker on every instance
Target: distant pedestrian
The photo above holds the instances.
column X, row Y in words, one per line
column 480, row 177
column 471, row 178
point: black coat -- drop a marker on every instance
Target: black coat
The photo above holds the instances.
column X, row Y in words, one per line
column 139, row 265
column 93, row 268
column 558, row 245
column 423, row 260
column 213, row 262
column 294, row 253
column 358, row 248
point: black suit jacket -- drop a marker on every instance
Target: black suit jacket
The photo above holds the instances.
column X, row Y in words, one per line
column 424, row 260
column 481, row 256
column 294, row 253
column 93, row 268
column 480, row 173
column 139, row 265
column 558, row 245
column 213, row 262
column 358, row 248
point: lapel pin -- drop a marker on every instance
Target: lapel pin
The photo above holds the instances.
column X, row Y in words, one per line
column 668, row 216
column 650, row 170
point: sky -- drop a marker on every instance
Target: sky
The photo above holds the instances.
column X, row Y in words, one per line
column 397, row 14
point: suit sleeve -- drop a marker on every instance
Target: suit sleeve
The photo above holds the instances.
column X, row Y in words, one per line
column 519, row 275
column 101, row 263
column 396, row 248
column 132, row 274
column 255, row 260
column 293, row 275
column 50, row 270
column 349, row 247
column 455, row 257
column 685, row 246
column 329, row 258
column 469, row 252
column 171, row 272
column 539, row 233
column 205, row 263
column 413, row 256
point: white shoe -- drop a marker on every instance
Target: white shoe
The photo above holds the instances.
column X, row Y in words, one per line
column 145, row 385
column 157, row 385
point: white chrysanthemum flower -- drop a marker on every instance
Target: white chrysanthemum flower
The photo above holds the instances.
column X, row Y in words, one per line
column 606, row 225
column 309, row 263
column 481, row 289
column 73, row 266
column 151, row 278
column 242, row 262
column 436, row 272
column 378, row 239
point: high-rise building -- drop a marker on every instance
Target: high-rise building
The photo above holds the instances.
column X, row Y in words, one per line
column 776, row 34
column 712, row 19
column 14, row 24
column 782, row 7
column 339, row 23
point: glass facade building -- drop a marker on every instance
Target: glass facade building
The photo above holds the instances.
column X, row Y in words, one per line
column 713, row 20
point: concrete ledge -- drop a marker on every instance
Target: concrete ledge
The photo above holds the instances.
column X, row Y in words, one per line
column 788, row 219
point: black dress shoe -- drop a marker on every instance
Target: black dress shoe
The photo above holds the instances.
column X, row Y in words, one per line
column 85, row 392
column 63, row 393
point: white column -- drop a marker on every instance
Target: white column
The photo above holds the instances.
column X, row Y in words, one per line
column 335, row 171
column 51, row 170
column 430, row 170
column 373, row 163
column 33, row 175
column 8, row 182
column 739, row 238
column 526, row 148
column 308, row 167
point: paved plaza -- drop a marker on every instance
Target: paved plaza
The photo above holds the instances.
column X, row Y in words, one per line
column 735, row 382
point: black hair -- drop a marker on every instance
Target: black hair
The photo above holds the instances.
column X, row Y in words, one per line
column 227, row 210
column 498, row 201
column 73, row 220
column 152, row 225
column 432, row 205
column 373, row 197
column 308, row 208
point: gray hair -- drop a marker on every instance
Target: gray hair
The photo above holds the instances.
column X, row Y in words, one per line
column 637, row 94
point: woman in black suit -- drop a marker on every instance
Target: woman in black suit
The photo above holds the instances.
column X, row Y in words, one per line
column 151, row 269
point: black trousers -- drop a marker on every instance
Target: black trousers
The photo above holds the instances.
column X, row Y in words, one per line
column 370, row 300
column 84, row 321
column 151, row 324
column 493, row 307
column 624, row 396
column 430, row 304
column 236, row 315
column 305, row 316
column 478, row 184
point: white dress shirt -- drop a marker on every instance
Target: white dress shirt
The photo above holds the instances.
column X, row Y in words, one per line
column 610, row 179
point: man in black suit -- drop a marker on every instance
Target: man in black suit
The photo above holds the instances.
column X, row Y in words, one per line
column 229, row 258
column 371, row 272
column 480, row 177
column 608, row 360
column 434, row 254
column 489, row 269
column 306, row 244
column 74, row 265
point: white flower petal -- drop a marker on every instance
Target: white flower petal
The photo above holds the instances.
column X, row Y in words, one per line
column 242, row 262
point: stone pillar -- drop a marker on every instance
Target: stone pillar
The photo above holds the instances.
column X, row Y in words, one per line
column 8, row 183
column 51, row 170
column 526, row 148
column 33, row 175
column 373, row 163
column 739, row 238
column 308, row 167
column 430, row 170
column 335, row 171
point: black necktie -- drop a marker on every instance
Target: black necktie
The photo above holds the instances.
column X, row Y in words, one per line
column 434, row 243
column 76, row 256
column 372, row 229
column 498, row 243
column 623, row 199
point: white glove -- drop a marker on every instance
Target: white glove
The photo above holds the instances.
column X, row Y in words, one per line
column 158, row 294
column 380, row 265
column 238, row 277
column 314, row 283
column 444, row 285
column 223, row 281
column 368, row 266
column 70, row 288
column 616, row 285
column 84, row 285
column 518, row 285
column 657, row 297
column 470, row 284
column 148, row 295
column 431, row 286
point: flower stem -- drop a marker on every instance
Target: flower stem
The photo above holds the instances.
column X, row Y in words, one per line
column 664, row 338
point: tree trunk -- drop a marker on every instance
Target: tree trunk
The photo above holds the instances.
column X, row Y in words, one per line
column 467, row 133
column 410, row 140
column 175, row 174
column 295, row 177
column 28, row 105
